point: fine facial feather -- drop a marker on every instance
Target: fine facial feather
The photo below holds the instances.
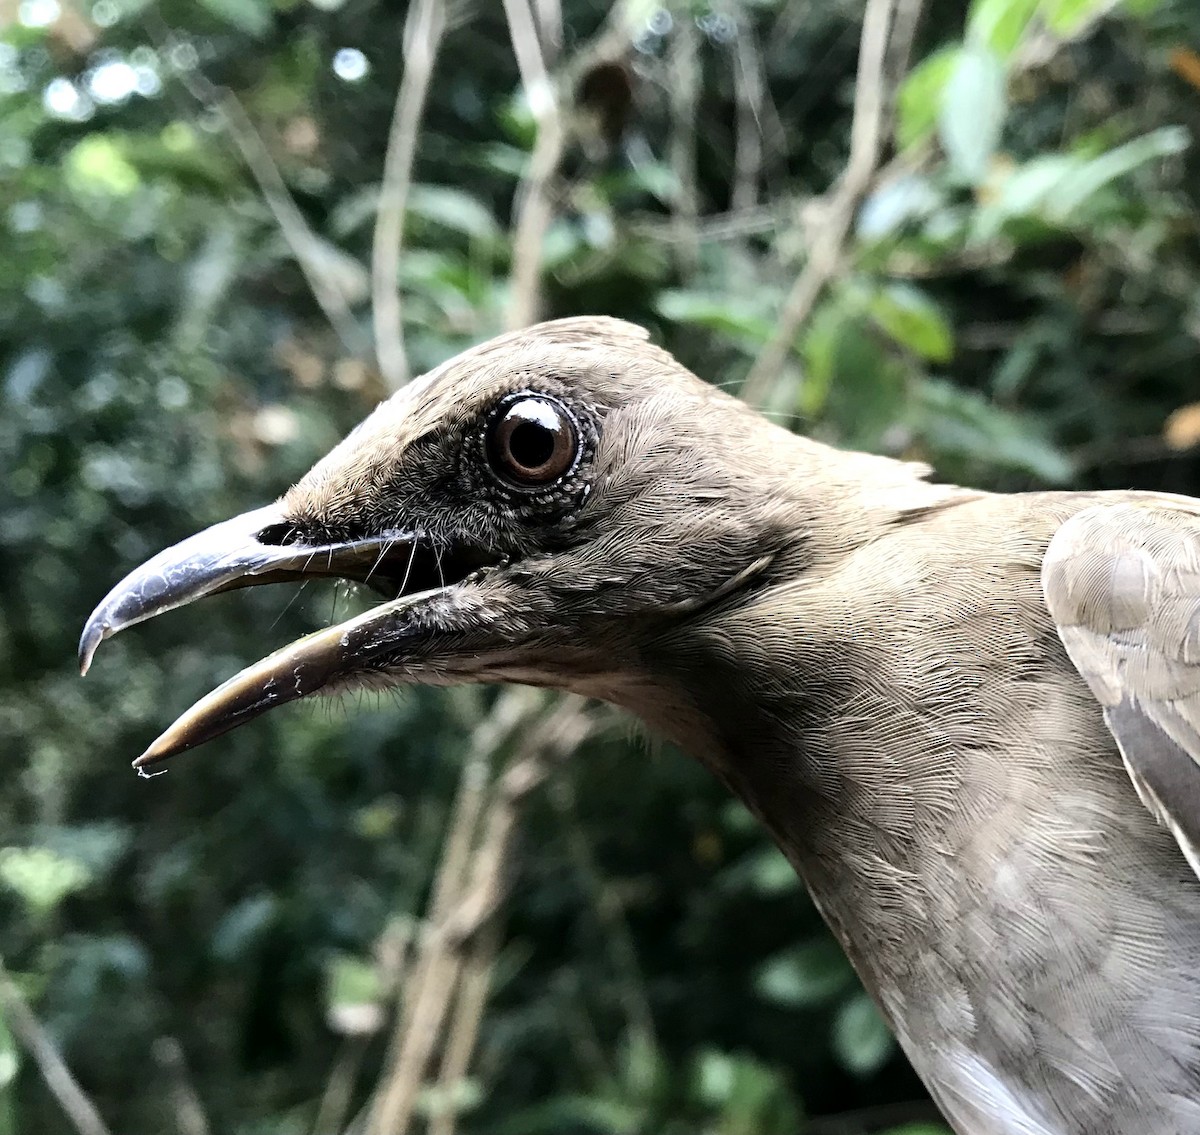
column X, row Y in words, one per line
column 867, row 659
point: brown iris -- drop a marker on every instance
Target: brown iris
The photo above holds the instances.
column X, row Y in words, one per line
column 532, row 441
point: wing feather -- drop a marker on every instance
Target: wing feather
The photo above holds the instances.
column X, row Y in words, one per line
column 1122, row 583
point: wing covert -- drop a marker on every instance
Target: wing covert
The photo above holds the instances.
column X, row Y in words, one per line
column 1122, row 583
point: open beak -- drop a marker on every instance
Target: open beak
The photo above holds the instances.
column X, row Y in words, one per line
column 263, row 547
column 307, row 666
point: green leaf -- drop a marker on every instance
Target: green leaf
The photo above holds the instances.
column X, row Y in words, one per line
column 457, row 1098
column 656, row 178
column 771, row 874
column 1054, row 188
column 1080, row 184
column 253, row 17
column 98, row 167
column 243, row 927
column 716, row 311
column 715, row 1075
column 914, row 321
column 804, row 977
column 1066, row 17
column 919, row 98
column 999, row 24
column 819, row 349
column 351, row 981
column 972, row 112
column 861, row 1039
column 41, row 876
column 746, row 1096
column 962, row 422
column 903, row 202
column 1024, row 192
column 453, row 209
column 643, row 1068
column 857, row 384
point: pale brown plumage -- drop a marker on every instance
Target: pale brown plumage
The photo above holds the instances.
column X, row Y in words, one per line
column 875, row 664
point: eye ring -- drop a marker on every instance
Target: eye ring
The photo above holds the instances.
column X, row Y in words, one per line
column 532, row 441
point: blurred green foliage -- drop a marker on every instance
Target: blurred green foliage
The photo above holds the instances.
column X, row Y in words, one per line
column 1019, row 305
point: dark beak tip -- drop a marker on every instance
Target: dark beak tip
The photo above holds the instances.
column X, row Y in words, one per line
column 156, row 752
column 89, row 642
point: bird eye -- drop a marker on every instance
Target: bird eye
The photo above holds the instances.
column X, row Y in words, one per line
column 532, row 441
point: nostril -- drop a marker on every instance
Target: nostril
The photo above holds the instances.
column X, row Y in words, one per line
column 278, row 535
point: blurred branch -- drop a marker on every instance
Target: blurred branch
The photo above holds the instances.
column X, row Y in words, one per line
column 550, row 27
column 1115, row 452
column 32, row 1034
column 464, row 1026
column 207, row 282
column 535, row 211
column 453, row 961
column 749, row 88
column 423, row 32
column 303, row 243
column 716, row 226
column 685, row 72
column 555, row 737
column 312, row 255
column 410, row 1049
column 167, row 1053
column 871, row 99
column 335, row 1100
column 632, row 986
column 900, row 46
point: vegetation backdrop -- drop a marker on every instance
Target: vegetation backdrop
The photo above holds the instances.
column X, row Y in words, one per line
column 960, row 232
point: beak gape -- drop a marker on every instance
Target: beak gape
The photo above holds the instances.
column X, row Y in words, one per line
column 264, row 547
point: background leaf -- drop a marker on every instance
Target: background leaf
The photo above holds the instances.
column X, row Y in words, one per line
column 973, row 110
column 999, row 25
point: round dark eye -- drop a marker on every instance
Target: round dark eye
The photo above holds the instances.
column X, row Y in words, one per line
column 532, row 442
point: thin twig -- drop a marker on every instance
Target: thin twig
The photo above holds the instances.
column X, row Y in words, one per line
column 749, row 86
column 556, row 737
column 871, row 98
column 535, row 211
column 433, row 980
column 685, row 70
column 1103, row 454
column 423, row 32
column 536, row 200
column 623, row 950
column 550, row 27
column 300, row 238
column 466, row 898
column 715, row 226
column 335, row 1100
column 189, row 1111
column 308, row 250
column 474, row 985
column 900, row 46
column 32, row 1034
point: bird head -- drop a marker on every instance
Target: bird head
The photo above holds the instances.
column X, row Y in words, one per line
column 542, row 509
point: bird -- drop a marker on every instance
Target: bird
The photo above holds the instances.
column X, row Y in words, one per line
column 970, row 720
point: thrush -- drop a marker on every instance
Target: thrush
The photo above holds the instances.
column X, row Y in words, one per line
column 970, row 720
